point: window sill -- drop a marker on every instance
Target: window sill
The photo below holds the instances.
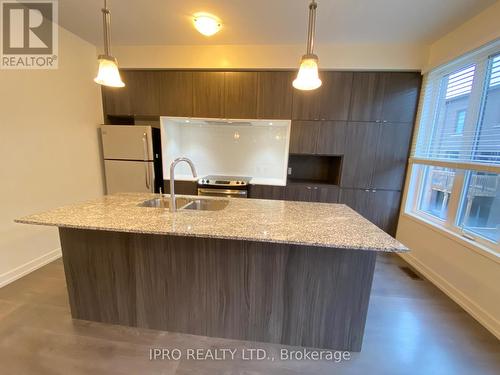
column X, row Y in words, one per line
column 470, row 244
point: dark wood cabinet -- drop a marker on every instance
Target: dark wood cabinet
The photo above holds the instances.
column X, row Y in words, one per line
column 266, row 192
column 385, row 97
column 401, row 92
column 274, row 96
column 329, row 102
column 116, row 100
column 335, row 95
column 208, row 94
column 176, row 93
column 144, row 87
column 317, row 137
column 360, row 154
column 331, row 138
column 181, row 187
column 312, row 193
column 299, row 192
column 240, row 95
column 306, row 105
column 381, row 207
column 325, row 194
column 304, row 137
column 367, row 96
column 376, row 155
column 391, row 156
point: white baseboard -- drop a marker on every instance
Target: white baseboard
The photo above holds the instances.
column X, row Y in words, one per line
column 32, row 265
column 477, row 312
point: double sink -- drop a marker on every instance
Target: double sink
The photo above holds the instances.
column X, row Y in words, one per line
column 183, row 203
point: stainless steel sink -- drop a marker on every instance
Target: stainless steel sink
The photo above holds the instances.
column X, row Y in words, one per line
column 187, row 203
column 164, row 202
column 206, row 205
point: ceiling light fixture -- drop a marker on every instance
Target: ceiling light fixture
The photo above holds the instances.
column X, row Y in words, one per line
column 108, row 74
column 307, row 77
column 206, row 24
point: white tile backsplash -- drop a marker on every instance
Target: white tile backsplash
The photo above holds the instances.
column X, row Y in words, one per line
column 254, row 148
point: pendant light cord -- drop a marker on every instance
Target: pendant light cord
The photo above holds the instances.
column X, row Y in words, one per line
column 311, row 27
column 106, row 20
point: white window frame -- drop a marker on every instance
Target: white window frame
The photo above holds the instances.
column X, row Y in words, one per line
column 417, row 166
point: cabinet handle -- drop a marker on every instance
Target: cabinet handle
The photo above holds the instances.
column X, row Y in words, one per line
column 374, row 191
column 377, row 121
column 367, row 190
column 315, row 188
column 308, row 187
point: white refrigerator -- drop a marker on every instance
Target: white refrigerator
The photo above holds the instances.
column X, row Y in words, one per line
column 132, row 158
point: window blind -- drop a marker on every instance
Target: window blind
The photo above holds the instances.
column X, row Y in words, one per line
column 459, row 114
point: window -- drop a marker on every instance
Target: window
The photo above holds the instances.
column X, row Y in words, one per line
column 460, row 121
column 455, row 159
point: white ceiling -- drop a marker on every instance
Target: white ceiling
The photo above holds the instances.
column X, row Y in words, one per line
column 157, row 22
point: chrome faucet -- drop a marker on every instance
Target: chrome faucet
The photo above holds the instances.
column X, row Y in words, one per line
column 173, row 206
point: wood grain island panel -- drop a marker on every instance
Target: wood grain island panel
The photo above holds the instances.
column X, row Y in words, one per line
column 269, row 292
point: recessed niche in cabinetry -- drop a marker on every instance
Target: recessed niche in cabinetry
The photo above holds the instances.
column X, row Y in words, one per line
column 318, row 169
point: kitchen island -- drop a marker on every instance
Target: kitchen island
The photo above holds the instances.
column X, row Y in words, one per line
column 294, row 273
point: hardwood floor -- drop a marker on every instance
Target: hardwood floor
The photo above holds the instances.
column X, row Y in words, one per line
column 412, row 328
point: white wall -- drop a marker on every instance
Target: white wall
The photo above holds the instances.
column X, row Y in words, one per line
column 332, row 56
column 49, row 153
column 468, row 276
column 259, row 150
column 473, row 34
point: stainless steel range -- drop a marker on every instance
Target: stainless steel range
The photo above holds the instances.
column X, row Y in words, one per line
column 224, row 186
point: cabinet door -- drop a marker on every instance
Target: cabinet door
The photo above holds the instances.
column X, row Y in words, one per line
column 267, row 192
column 381, row 207
column 176, row 93
column 401, row 92
column 385, row 206
column 331, row 138
column 299, row 192
column 275, row 95
column 116, row 100
column 335, row 95
column 325, row 194
column 360, row 151
column 392, row 156
column 306, row 104
column 240, row 95
column 367, row 96
column 144, row 92
column 304, row 137
column 208, row 94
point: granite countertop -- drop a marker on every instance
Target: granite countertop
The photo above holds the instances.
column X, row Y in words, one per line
column 300, row 223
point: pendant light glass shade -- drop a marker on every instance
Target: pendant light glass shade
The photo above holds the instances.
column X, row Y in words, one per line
column 108, row 74
column 307, row 77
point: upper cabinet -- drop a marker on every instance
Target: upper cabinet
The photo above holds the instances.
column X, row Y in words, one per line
column 208, row 94
column 376, row 155
column 116, row 100
column 240, row 95
column 401, row 92
column 329, row 102
column 176, row 93
column 274, row 96
column 317, row 137
column 385, row 97
column 140, row 96
column 144, row 88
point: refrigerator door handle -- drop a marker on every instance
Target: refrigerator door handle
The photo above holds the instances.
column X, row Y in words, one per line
column 146, row 153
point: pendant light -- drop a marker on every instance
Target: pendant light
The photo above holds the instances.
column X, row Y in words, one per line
column 307, row 77
column 108, row 74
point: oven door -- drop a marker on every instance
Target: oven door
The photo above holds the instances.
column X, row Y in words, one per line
column 230, row 193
